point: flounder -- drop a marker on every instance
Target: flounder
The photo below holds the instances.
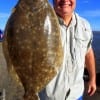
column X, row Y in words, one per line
column 32, row 45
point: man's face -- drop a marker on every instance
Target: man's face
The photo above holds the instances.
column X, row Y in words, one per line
column 64, row 7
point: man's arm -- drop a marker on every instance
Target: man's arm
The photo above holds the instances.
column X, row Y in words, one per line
column 90, row 66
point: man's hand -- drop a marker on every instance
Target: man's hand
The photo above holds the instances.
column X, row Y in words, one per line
column 91, row 87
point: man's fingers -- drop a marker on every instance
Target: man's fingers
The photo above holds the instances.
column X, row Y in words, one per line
column 91, row 90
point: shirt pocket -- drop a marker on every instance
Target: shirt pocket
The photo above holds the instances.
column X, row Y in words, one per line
column 83, row 37
column 80, row 50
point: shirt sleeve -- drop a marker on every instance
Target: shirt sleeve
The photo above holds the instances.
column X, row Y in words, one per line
column 90, row 35
column 90, row 43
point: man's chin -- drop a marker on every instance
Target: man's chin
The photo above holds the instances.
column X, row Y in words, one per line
column 66, row 13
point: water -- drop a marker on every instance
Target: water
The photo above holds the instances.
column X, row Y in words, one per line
column 96, row 47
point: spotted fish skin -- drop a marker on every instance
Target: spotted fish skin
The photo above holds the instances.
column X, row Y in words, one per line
column 32, row 45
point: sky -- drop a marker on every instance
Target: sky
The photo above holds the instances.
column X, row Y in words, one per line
column 88, row 9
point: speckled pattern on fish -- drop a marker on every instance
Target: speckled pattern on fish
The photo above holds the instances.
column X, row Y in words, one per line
column 32, row 45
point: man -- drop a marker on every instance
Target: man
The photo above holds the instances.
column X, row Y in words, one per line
column 76, row 38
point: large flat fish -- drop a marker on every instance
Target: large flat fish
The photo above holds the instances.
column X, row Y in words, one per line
column 32, row 45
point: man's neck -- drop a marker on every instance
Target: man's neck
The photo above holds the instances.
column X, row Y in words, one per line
column 66, row 19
